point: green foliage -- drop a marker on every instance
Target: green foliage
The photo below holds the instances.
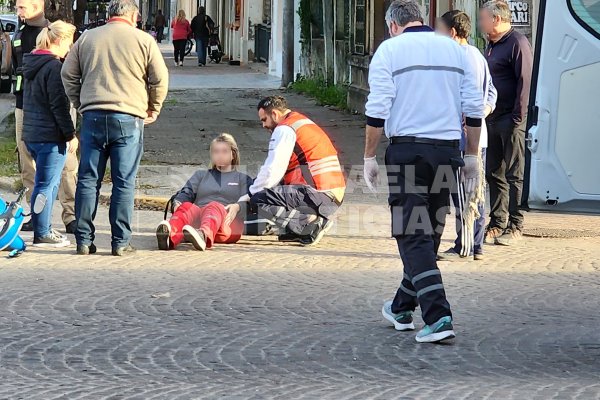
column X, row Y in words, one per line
column 305, row 15
column 326, row 95
column 8, row 157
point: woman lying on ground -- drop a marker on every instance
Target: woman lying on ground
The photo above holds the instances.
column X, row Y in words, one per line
column 205, row 210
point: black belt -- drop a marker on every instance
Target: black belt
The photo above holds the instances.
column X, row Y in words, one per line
column 434, row 142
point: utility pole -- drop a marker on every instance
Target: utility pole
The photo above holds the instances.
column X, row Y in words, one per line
column 287, row 53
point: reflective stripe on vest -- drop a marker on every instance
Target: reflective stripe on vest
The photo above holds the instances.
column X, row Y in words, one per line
column 323, row 173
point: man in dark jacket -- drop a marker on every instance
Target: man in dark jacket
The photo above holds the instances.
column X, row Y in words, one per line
column 202, row 25
column 159, row 24
column 510, row 59
column 31, row 15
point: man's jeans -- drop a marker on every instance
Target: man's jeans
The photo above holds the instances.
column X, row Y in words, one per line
column 201, row 50
column 49, row 160
column 105, row 135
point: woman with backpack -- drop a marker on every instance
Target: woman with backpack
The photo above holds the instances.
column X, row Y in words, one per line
column 205, row 210
column 202, row 26
column 48, row 130
column 181, row 33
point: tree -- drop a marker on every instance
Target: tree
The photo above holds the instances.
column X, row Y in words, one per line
column 63, row 9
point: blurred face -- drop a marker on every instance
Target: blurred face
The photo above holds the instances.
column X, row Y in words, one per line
column 63, row 47
column 269, row 120
column 487, row 23
column 442, row 28
column 28, row 9
column 221, row 154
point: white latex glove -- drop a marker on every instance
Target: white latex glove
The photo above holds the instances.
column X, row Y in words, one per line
column 470, row 173
column 371, row 173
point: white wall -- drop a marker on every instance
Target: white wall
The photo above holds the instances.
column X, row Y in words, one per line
column 297, row 44
column 275, row 53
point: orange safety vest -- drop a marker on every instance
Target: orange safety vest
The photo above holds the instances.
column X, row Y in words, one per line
column 314, row 161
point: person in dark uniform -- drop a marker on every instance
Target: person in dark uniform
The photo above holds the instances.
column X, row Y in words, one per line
column 32, row 21
column 159, row 24
column 421, row 85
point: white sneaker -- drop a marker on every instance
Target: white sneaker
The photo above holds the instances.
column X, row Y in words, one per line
column 52, row 240
column 402, row 321
column 195, row 237
column 176, row 64
column 181, row 63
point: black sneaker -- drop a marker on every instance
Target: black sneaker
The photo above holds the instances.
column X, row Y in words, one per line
column 85, row 250
column 27, row 226
column 51, row 240
column 289, row 237
column 322, row 226
column 195, row 237
column 71, row 228
column 163, row 236
column 123, row 251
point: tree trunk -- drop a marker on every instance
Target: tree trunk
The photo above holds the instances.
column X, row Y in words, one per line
column 63, row 10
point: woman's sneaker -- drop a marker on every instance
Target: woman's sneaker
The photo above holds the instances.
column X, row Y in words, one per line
column 195, row 237
column 402, row 321
column 163, row 236
column 440, row 331
column 54, row 239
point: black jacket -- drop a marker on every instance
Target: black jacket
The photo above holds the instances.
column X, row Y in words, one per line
column 201, row 26
column 511, row 63
column 46, row 107
column 25, row 39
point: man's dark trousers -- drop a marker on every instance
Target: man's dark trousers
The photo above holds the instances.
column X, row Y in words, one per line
column 505, row 168
column 421, row 178
column 291, row 206
column 119, row 137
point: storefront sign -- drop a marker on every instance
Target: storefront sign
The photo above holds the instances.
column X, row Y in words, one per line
column 521, row 12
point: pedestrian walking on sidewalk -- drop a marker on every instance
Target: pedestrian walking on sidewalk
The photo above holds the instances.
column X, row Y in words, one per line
column 159, row 24
column 203, row 211
column 117, row 92
column 31, row 14
column 510, row 58
column 48, row 130
column 202, row 26
column 181, row 33
column 407, row 72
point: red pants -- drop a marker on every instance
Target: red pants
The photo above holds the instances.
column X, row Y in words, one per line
column 210, row 219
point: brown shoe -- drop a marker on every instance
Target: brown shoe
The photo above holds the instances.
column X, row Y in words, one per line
column 492, row 235
column 510, row 236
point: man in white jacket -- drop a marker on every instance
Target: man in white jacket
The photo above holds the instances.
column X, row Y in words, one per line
column 469, row 242
column 421, row 86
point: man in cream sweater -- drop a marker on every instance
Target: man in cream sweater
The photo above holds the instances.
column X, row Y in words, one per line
column 116, row 77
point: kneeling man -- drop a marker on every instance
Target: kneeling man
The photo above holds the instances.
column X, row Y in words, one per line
column 301, row 184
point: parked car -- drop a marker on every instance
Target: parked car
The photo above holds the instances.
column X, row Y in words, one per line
column 9, row 24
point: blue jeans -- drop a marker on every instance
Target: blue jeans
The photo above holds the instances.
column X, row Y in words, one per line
column 105, row 135
column 201, row 50
column 49, row 160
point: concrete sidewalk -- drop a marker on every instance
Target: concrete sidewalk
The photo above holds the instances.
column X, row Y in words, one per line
column 213, row 76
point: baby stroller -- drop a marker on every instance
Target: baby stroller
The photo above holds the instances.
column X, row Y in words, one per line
column 215, row 51
column 11, row 221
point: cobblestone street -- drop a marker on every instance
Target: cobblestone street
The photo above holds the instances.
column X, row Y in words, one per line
column 260, row 319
